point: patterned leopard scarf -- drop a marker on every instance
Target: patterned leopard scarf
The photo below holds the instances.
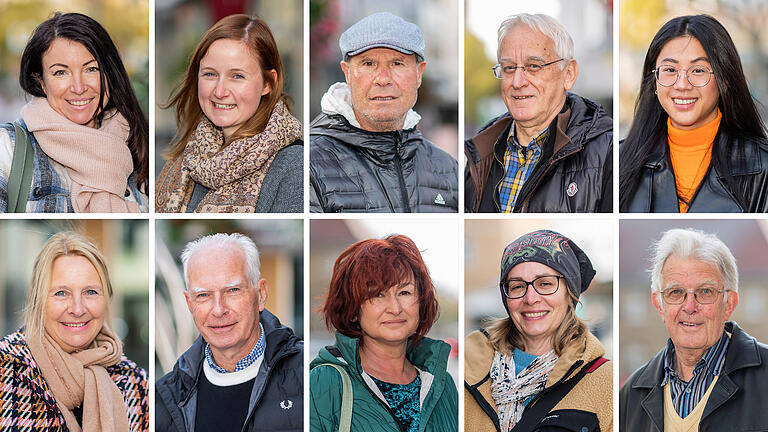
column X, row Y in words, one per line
column 510, row 389
column 233, row 173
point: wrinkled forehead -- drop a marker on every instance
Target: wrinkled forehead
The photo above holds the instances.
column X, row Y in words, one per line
column 523, row 43
column 689, row 270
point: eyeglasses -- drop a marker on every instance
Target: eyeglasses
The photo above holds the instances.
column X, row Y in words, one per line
column 703, row 295
column 518, row 288
column 507, row 70
column 698, row 76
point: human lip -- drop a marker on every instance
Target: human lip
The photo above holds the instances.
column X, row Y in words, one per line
column 689, row 324
column 395, row 322
column 79, row 103
column 683, row 103
column 75, row 325
column 221, row 327
column 222, row 106
column 383, row 98
column 522, row 97
column 534, row 315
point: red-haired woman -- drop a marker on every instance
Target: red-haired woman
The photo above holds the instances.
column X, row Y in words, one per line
column 382, row 303
column 238, row 149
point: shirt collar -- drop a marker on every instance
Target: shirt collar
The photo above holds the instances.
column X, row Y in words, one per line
column 538, row 140
column 256, row 352
column 707, row 364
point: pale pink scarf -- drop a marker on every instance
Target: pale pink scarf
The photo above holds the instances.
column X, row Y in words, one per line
column 79, row 379
column 98, row 160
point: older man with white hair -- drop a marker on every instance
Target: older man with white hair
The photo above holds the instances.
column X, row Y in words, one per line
column 711, row 376
column 552, row 151
column 245, row 371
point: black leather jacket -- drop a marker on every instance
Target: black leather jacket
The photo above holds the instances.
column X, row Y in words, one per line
column 354, row 170
column 573, row 175
column 657, row 193
column 737, row 402
column 279, row 384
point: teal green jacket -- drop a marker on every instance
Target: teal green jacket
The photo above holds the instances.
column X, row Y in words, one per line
column 370, row 413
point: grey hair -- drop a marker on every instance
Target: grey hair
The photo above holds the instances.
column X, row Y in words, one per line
column 252, row 264
column 547, row 26
column 691, row 243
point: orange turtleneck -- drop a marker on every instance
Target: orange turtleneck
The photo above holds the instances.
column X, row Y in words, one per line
column 691, row 152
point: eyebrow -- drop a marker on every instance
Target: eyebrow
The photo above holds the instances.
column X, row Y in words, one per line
column 235, row 284
column 66, row 66
column 697, row 59
column 529, row 58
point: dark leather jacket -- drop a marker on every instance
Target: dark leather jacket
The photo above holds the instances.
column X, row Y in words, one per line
column 573, row 175
column 354, row 170
column 279, row 384
column 657, row 193
column 737, row 402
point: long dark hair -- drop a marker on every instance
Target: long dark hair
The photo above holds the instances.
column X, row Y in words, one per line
column 740, row 117
column 254, row 33
column 114, row 80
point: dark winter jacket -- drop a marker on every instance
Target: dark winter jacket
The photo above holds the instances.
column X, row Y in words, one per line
column 354, row 170
column 280, row 383
column 573, row 175
column 370, row 413
column 737, row 402
column 657, row 192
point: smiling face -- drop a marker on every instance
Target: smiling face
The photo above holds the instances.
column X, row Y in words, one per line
column 693, row 327
column 76, row 303
column 688, row 107
column 230, row 84
column 71, row 81
column 224, row 303
column 537, row 316
column 392, row 316
column 534, row 100
column 384, row 84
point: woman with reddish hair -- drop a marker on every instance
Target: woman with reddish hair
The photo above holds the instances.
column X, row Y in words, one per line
column 383, row 373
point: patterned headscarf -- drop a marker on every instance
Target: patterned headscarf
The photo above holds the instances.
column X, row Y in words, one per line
column 554, row 250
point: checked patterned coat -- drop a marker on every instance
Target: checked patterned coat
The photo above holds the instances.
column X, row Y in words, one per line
column 26, row 401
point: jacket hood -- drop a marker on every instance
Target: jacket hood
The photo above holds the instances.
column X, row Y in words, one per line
column 338, row 100
column 429, row 355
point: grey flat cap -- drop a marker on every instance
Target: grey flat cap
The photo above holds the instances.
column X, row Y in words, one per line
column 382, row 30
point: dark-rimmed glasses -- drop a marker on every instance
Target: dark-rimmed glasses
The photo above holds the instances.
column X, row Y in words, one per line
column 703, row 295
column 698, row 76
column 518, row 288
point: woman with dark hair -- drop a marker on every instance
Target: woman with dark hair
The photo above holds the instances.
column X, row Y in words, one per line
column 697, row 142
column 84, row 131
column 539, row 368
column 238, row 148
column 382, row 303
column 65, row 369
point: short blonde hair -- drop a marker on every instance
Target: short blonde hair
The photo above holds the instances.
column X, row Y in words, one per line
column 505, row 337
column 60, row 244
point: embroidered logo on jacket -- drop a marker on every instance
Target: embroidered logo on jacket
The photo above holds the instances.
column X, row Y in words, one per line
column 286, row 404
column 439, row 199
column 572, row 189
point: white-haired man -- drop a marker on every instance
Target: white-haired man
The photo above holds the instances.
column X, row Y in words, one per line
column 552, row 151
column 711, row 376
column 245, row 371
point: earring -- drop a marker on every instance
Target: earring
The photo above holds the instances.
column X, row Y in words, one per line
column 656, row 92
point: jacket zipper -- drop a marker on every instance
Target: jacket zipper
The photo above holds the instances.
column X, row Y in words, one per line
column 385, row 406
column 523, row 207
column 497, row 189
column 399, row 168
column 261, row 392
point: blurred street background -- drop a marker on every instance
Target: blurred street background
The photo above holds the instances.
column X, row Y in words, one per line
column 642, row 332
column 590, row 24
column 280, row 244
column 439, row 92
column 179, row 25
column 124, row 244
column 484, row 243
column 639, row 20
column 439, row 245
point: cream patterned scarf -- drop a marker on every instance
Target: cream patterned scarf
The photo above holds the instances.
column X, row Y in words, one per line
column 234, row 173
column 79, row 379
column 98, row 160
column 510, row 389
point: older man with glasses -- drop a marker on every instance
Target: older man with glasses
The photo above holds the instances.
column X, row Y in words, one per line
column 552, row 151
column 711, row 376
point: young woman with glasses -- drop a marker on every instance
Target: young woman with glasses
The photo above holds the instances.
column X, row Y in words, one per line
column 697, row 142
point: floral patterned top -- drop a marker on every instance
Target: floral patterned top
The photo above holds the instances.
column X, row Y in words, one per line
column 404, row 401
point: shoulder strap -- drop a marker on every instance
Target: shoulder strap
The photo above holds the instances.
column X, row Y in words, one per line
column 482, row 402
column 547, row 401
column 345, row 420
column 22, row 168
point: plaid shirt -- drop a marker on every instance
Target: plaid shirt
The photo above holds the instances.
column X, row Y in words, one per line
column 686, row 395
column 256, row 352
column 518, row 166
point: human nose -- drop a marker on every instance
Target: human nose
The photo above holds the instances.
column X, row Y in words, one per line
column 682, row 80
column 393, row 304
column 531, row 296
column 383, row 76
column 220, row 91
column 519, row 79
column 78, row 84
column 689, row 302
column 76, row 306
column 219, row 305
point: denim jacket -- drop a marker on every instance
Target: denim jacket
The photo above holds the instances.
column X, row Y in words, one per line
column 49, row 192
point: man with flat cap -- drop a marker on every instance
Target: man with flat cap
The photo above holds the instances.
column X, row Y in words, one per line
column 366, row 154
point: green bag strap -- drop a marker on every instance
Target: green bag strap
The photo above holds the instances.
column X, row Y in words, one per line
column 345, row 421
column 22, row 169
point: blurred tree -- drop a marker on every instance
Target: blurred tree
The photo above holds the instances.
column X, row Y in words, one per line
column 640, row 21
column 479, row 82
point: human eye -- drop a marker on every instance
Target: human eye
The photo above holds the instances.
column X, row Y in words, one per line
column 92, row 292
column 92, row 69
column 533, row 67
column 59, row 72
column 667, row 69
column 60, row 293
column 207, row 74
column 234, row 290
column 238, row 76
column 705, row 291
column 699, row 70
